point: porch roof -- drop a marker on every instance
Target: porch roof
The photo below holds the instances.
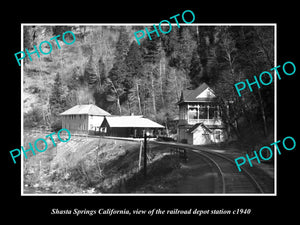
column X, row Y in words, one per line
column 209, row 128
column 131, row 121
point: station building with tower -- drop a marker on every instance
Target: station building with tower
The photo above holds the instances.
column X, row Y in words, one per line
column 199, row 117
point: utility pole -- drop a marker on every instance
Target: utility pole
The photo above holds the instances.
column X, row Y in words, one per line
column 145, row 154
column 140, row 155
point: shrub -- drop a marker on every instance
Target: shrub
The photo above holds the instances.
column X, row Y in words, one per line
column 56, row 125
column 33, row 118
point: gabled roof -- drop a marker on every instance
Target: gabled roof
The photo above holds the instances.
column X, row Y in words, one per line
column 86, row 109
column 193, row 128
column 195, row 95
column 131, row 121
column 208, row 128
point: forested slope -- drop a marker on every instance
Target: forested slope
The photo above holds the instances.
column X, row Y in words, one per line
column 107, row 67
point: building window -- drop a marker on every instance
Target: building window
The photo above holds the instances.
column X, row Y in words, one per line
column 192, row 114
column 213, row 112
column 103, row 129
column 203, row 113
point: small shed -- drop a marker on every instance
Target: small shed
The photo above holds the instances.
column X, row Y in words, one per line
column 83, row 119
column 128, row 126
column 201, row 134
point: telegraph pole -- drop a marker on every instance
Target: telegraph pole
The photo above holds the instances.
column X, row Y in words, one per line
column 145, row 154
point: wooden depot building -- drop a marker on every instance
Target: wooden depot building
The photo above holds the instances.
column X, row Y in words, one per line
column 90, row 119
column 128, row 126
column 83, row 119
column 199, row 117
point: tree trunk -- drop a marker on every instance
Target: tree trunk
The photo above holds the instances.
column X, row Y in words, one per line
column 161, row 86
column 237, row 129
column 117, row 98
column 167, row 129
column 153, row 95
column 262, row 109
column 263, row 48
column 129, row 107
column 178, row 89
column 253, row 64
column 119, row 105
column 138, row 97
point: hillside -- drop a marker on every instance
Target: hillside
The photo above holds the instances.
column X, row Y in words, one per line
column 80, row 167
column 107, row 67
column 75, row 166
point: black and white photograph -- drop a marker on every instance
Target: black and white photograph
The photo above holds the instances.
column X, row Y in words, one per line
column 144, row 109
column 137, row 112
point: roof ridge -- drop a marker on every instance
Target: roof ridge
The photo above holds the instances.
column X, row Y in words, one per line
column 192, row 95
column 90, row 109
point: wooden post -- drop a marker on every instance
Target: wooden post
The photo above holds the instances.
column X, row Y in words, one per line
column 198, row 112
column 188, row 109
column 140, row 155
column 145, row 154
column 207, row 112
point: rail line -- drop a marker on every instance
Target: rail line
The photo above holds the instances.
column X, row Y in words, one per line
column 233, row 181
column 250, row 179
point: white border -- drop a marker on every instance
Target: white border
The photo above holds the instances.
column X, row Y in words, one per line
column 151, row 24
column 22, row 122
column 275, row 110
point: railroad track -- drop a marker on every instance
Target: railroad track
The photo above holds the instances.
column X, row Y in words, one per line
column 230, row 179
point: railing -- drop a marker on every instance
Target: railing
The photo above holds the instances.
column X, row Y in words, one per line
column 205, row 121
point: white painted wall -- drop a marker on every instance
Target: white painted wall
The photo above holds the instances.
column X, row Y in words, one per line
column 95, row 122
column 200, row 137
column 75, row 123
